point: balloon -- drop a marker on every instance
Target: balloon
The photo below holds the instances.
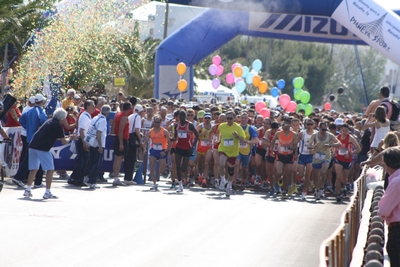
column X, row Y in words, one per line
column 294, row 79
column 298, row 93
column 181, row 68
column 212, row 69
column 305, row 97
column 182, row 85
column 216, row 60
column 327, row 106
column 308, row 109
column 281, row 84
column 274, row 92
column 215, row 83
column 299, row 83
column 331, row 98
column 260, row 105
column 291, row 107
column 265, row 112
column 240, row 86
column 249, row 78
column 284, row 100
column 234, row 65
column 257, row 65
column 256, row 81
column 245, row 71
column 262, row 87
column 238, row 71
column 230, row 79
column 301, row 106
column 294, row 92
column 220, row 70
column 340, row 90
column 238, row 80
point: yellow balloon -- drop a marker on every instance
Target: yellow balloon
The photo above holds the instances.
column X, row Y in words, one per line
column 181, row 68
column 182, row 85
column 238, row 71
column 263, row 87
column 256, row 80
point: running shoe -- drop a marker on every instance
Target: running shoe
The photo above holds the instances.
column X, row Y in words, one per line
column 173, row 185
column 18, row 182
column 338, row 198
column 27, row 193
column 117, row 181
column 38, row 185
column 329, row 189
column 264, row 185
column 154, row 187
column 272, row 191
column 284, row 195
column 317, row 195
column 321, row 193
column 222, row 185
column 49, row 195
column 180, row 188
column 228, row 191
column 303, row 196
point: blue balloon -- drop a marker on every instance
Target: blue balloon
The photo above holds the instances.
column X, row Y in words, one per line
column 245, row 71
column 294, row 90
column 257, row 65
column 281, row 84
column 294, row 79
column 274, row 92
column 240, row 86
column 249, row 78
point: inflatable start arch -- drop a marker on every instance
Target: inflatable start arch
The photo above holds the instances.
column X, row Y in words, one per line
column 332, row 21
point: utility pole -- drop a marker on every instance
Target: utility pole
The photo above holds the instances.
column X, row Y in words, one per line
column 4, row 71
column 166, row 20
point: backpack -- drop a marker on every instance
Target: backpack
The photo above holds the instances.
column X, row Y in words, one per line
column 393, row 113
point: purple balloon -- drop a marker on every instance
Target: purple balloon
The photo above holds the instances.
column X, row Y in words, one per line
column 220, row 70
column 215, row 83
column 238, row 80
column 230, row 79
column 216, row 60
column 213, row 69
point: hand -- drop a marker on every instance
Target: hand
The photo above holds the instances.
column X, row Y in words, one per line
column 85, row 146
column 327, row 145
column 367, row 162
column 121, row 147
column 347, row 156
column 100, row 150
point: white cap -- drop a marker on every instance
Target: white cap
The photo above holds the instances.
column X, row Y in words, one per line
column 39, row 98
column 32, row 100
column 339, row 121
column 139, row 108
column 349, row 116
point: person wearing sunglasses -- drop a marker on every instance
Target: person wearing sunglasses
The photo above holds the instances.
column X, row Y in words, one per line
column 320, row 145
column 231, row 134
column 304, row 161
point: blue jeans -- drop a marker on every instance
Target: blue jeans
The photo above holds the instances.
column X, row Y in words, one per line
column 95, row 160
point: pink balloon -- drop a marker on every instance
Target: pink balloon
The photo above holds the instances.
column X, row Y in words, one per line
column 284, row 100
column 291, row 107
column 327, row 106
column 216, row 60
column 230, row 79
column 265, row 112
column 212, row 69
column 220, row 70
column 215, row 83
column 260, row 105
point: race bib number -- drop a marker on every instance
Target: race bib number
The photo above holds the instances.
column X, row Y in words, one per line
column 284, row 149
column 276, row 145
column 182, row 134
column 228, row 142
column 243, row 144
column 343, row 151
column 204, row 142
column 157, row 146
column 320, row 156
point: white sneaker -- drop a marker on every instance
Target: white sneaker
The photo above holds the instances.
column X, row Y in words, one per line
column 180, row 188
column 222, row 185
column 321, row 193
column 228, row 190
column 154, row 187
column 303, row 196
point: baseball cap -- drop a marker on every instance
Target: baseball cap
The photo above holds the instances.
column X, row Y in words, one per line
column 339, row 121
column 76, row 96
column 201, row 114
column 32, row 100
column 349, row 116
column 139, row 108
column 207, row 115
column 39, row 98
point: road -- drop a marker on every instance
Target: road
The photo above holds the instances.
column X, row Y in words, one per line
column 133, row 226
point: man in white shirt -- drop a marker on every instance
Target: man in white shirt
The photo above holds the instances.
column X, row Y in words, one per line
column 82, row 167
column 96, row 139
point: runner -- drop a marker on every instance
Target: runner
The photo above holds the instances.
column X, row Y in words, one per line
column 286, row 152
column 160, row 146
column 320, row 145
column 204, row 149
column 271, row 155
column 184, row 147
column 230, row 135
column 344, row 158
column 215, row 141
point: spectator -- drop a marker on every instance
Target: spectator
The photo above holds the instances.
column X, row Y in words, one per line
column 13, row 115
column 68, row 101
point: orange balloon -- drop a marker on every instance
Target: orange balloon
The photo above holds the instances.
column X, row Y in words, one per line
column 256, row 80
column 238, row 71
column 263, row 87
column 181, row 68
column 182, row 85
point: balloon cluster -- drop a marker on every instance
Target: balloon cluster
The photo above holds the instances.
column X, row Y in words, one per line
column 182, row 83
column 216, row 69
column 302, row 96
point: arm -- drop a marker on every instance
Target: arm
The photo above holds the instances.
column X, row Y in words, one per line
column 356, row 144
column 68, row 126
column 146, row 141
column 122, row 123
column 335, row 142
column 3, row 133
column 98, row 138
column 166, row 133
column 191, row 128
column 276, row 136
column 389, row 200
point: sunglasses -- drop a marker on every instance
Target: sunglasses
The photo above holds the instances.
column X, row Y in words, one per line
column 324, row 129
column 207, row 118
column 310, row 124
column 229, row 119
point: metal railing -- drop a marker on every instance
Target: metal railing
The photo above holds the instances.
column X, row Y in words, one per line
column 337, row 250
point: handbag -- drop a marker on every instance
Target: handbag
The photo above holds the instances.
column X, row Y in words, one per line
column 133, row 138
column 72, row 147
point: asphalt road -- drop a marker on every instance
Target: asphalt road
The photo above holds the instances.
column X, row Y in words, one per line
column 133, row 226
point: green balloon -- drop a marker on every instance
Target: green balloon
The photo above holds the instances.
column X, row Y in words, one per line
column 298, row 83
column 308, row 109
column 301, row 106
column 305, row 97
column 298, row 94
